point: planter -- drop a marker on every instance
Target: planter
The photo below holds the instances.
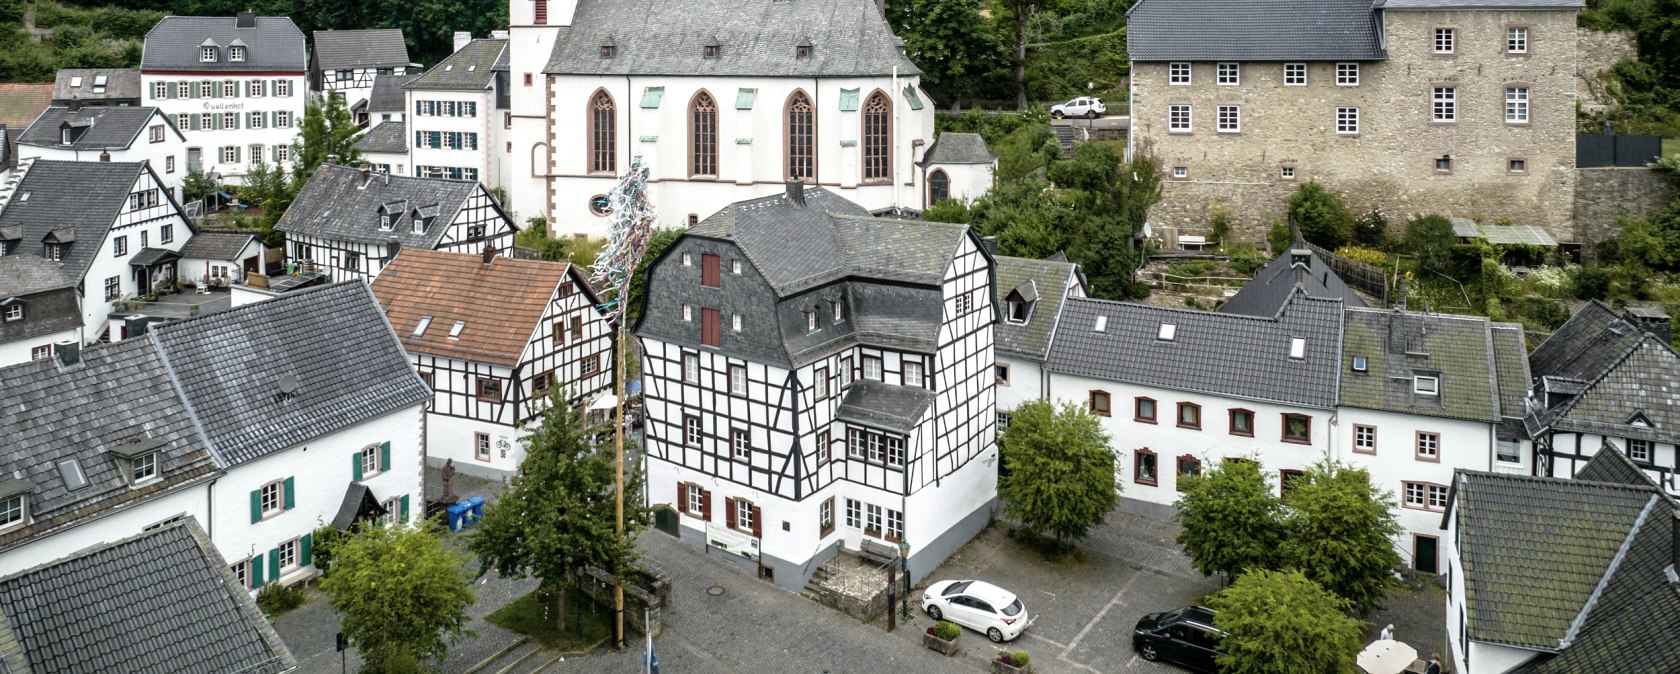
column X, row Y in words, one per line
column 1001, row 667
column 937, row 644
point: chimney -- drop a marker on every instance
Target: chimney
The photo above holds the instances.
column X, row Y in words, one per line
column 391, row 249
column 245, row 19
column 1300, row 257
column 69, row 353
column 105, row 156
column 489, row 254
column 74, row 105
column 462, row 38
column 366, row 174
column 332, row 160
column 1397, row 331
column 1652, row 319
column 989, row 243
column 1399, row 301
column 796, row 193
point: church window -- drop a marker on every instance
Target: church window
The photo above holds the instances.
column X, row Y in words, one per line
column 801, row 138
column 603, row 133
column 703, row 132
column 877, row 143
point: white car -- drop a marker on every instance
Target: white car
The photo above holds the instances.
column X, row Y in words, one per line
column 1089, row 107
column 977, row 605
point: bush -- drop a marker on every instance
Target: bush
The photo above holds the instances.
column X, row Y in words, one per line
column 1591, row 283
column 1321, row 216
column 1244, row 258
column 946, row 630
column 1279, row 239
column 1430, row 237
column 1371, row 229
column 1370, row 256
column 1219, row 219
column 1020, row 658
column 324, row 540
column 949, row 210
column 275, row 599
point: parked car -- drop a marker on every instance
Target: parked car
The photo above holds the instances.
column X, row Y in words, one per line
column 977, row 605
column 1089, row 107
column 1184, row 637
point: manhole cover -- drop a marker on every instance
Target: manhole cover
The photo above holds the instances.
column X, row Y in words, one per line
column 715, row 590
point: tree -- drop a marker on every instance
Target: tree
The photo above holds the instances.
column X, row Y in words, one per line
column 196, row 186
column 1431, row 238
column 328, row 130
column 1322, row 217
column 400, row 592
column 658, row 243
column 950, row 41
column 1057, row 473
column 271, row 189
column 558, row 516
column 1020, row 14
column 535, row 237
column 1232, row 521
column 1341, row 533
column 1281, row 622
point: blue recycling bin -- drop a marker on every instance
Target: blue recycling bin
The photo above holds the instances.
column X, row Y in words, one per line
column 477, row 503
column 467, row 517
column 457, row 515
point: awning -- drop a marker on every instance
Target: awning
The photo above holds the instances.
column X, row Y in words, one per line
column 152, row 257
column 607, row 401
column 359, row 504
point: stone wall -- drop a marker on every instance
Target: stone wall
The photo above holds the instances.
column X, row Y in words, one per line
column 1604, row 194
column 1597, row 52
column 1288, row 133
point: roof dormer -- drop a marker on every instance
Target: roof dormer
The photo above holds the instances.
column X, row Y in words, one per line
column 713, row 48
column 14, row 501
column 209, row 51
column 609, row 47
column 389, row 213
column 140, row 458
column 1019, row 304
column 236, row 51
column 423, row 217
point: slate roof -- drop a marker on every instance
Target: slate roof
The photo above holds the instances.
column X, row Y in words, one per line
column 274, row 44
column 884, row 406
column 756, row 38
column 1548, row 562
column 25, row 274
column 120, row 391
column 163, row 601
column 213, row 245
column 1221, row 354
column 1510, row 364
column 1274, row 284
column 451, row 287
column 120, row 84
column 1050, row 281
column 1253, row 30
column 386, row 137
column 470, row 68
column 334, row 340
column 1609, row 464
column 958, row 148
column 387, row 95
column 371, row 48
column 1610, row 370
column 1400, row 345
column 48, row 295
column 334, row 205
column 108, row 127
column 1478, row 4
column 1585, row 345
column 83, row 197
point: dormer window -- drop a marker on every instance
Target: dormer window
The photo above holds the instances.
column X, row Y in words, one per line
column 207, row 54
column 66, row 135
column 236, row 54
column 711, row 51
column 802, row 52
column 811, row 321
column 839, row 311
column 140, row 456
column 14, row 311
column 607, row 51
column 1426, row 385
column 385, row 224
column 14, row 510
column 144, row 467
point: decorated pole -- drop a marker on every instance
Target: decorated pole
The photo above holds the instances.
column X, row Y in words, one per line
column 629, row 228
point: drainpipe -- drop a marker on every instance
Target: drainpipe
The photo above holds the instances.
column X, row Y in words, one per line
column 210, row 509
column 893, row 141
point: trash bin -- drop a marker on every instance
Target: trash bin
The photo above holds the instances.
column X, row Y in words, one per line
column 458, row 513
column 477, row 503
column 467, row 517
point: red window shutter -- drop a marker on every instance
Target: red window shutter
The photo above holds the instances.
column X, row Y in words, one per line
column 706, row 503
column 758, row 522
column 729, row 512
column 711, row 327
column 682, row 497
column 542, row 12
column 711, row 270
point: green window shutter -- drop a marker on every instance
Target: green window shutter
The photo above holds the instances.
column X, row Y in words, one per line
column 236, row 152
column 290, row 499
column 192, row 121
column 402, row 510
column 256, row 572
column 306, row 550
column 356, row 466
column 256, row 506
column 385, row 455
column 171, row 93
column 274, row 564
column 192, row 90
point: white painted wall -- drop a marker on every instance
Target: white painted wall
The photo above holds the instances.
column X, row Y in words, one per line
column 131, row 224
column 196, row 269
column 110, row 527
column 1026, row 383
column 168, row 157
column 968, row 181
column 1466, row 445
column 20, row 351
column 211, row 142
column 480, row 123
column 398, row 161
column 1586, row 445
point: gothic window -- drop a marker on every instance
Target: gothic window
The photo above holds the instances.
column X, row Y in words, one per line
column 703, row 135
column 603, row 133
column 939, row 187
column 801, row 138
column 877, row 138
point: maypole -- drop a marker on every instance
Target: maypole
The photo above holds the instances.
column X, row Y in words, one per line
column 629, row 227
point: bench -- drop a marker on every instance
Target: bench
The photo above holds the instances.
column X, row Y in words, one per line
column 1191, row 242
column 882, row 553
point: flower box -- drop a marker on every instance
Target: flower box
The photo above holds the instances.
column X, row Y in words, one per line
column 1006, row 667
column 931, row 640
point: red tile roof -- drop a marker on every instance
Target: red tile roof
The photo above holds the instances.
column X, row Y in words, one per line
column 501, row 303
column 20, row 104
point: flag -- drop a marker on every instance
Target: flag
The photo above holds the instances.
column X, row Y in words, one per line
column 650, row 662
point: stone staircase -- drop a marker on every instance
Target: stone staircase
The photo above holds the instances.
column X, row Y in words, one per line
column 1068, row 137
column 526, row 657
column 816, row 589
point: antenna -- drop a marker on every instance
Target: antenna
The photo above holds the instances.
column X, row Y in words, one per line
column 288, row 384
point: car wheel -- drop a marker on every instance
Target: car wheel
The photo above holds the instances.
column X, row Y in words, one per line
column 995, row 634
column 1056, row 115
column 1092, row 114
column 1149, row 653
column 935, row 613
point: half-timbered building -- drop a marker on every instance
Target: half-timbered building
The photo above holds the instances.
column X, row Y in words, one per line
column 112, row 226
column 348, row 223
column 1030, row 295
column 346, row 62
column 492, row 365
column 816, row 378
column 37, row 308
column 1604, row 380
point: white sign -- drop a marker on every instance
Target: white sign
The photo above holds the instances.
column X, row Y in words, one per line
column 730, row 540
column 224, row 106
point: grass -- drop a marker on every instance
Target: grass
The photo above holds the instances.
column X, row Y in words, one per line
column 533, row 618
column 1670, row 146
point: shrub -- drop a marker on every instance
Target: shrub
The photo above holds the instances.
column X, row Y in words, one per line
column 946, row 630
column 275, row 599
column 1020, row 658
column 1322, row 217
column 1220, row 221
column 1370, row 256
column 1244, row 258
column 1371, row 229
column 1279, row 239
column 1591, row 283
column 1430, row 237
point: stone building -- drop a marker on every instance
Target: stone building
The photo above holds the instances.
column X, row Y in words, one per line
column 1440, row 106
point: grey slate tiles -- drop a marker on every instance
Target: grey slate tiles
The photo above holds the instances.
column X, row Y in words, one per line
column 470, row 67
column 1048, row 279
column 1253, row 30
column 958, row 148
column 273, row 43
column 107, row 127
column 72, row 198
column 372, row 48
column 1272, row 286
column 334, row 204
column 894, row 408
column 214, row 245
column 386, row 137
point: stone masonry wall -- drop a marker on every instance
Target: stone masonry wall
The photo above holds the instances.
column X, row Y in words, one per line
column 1597, row 52
column 1602, row 195
column 1390, row 162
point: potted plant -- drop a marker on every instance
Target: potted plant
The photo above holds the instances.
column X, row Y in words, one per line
column 942, row 637
column 193, row 308
column 1011, row 663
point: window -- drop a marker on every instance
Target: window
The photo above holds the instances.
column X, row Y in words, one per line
column 1428, row 446
column 691, row 368
column 895, row 525
column 735, row 267
column 269, row 499
column 703, row 135
column 1444, row 40
column 1364, row 439
column 607, row 51
column 1229, row 119
column 872, row 525
column 965, row 303
column 1443, row 164
column 1507, row 451
column 802, row 51
column 1425, row 496
column 1347, row 120
column 744, row 511
column 801, row 138
column 1639, row 450
column 825, row 516
column 1099, row 403
column 872, row 368
column 1187, row 465
column 710, row 51
column 1015, row 311
column 160, row 90
column 11, row 510
column 481, row 446
column 691, row 431
column 1287, row 481
column 1286, row 172
column 282, row 119
column 1516, row 40
column 352, row 260
column 735, row 322
column 1180, row 172
column 1229, row 73
column 207, row 54
column 230, row 89
column 819, row 383
column 1426, row 385
column 854, row 513
column 1190, row 416
column 119, row 244
column 877, row 144
column 694, row 501
column 1347, row 74
column 1518, row 166
column 711, row 270
column 14, row 312
column 236, row 54
column 1242, row 422
column 254, row 120
column 741, row 442
column 846, row 371
column 825, row 444
column 1178, row 118
column 1295, row 74
column 1001, row 373
column 144, row 467
column 1437, row 497
column 591, row 364
column 41, row 352
column 230, row 154
column 1143, row 467
column 1178, row 73
column 1297, row 428
column 1445, row 104
column 738, row 379
column 1516, row 105
column 489, row 389
column 603, row 134
column 113, row 287
column 1143, row 409
column 913, row 373
column 282, row 88
column 1002, row 422
column 169, row 164
column 370, row 461
column 839, row 310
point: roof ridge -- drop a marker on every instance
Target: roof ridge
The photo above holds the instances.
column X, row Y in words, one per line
column 1609, row 572
column 1549, row 479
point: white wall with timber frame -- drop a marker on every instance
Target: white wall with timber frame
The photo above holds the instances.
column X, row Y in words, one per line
column 344, row 260
column 1565, row 453
column 140, row 227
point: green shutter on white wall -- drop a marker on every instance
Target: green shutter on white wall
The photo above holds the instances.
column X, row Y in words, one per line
column 291, row 501
column 256, row 506
column 256, row 572
column 356, row 466
column 385, row 456
column 306, row 550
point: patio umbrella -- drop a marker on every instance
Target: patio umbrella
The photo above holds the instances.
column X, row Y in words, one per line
column 1387, row 656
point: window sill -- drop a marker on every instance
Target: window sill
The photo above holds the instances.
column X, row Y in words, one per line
column 1423, row 508
column 1230, row 132
column 1348, row 134
column 493, row 401
column 1520, row 125
column 1371, row 452
column 1189, row 428
column 1146, row 483
column 1142, row 420
column 1297, row 441
column 826, row 532
column 1181, row 132
column 1518, row 54
column 1428, row 459
column 1242, row 435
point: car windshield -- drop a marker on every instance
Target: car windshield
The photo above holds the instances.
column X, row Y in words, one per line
column 956, row 588
column 1014, row 608
column 1169, row 616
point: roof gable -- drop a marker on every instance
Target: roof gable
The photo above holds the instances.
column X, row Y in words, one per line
column 1642, row 385
column 442, row 288
column 1585, row 345
column 372, row 48
column 342, row 203
column 70, row 198
column 1253, row 30
column 104, row 127
column 1271, row 288
column 272, row 43
column 1050, row 282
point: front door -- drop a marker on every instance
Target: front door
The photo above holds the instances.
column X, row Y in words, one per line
column 1425, row 553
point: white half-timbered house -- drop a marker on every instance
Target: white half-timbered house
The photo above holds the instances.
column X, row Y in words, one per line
column 109, row 133
column 493, row 336
column 1604, row 380
column 1030, row 295
column 348, row 223
column 346, row 62
column 815, row 378
column 112, row 226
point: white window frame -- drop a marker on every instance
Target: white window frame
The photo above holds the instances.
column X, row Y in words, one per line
column 370, row 461
column 14, row 312
column 895, row 525
column 914, row 374
column 1415, row 494
column 1436, row 495
column 1426, row 385
column 236, row 54
column 1228, row 119
column 873, row 368
column 740, row 441
column 1180, row 112
column 289, row 557
column 1227, row 74
column 1446, row 40
column 1179, row 73
column 1516, row 39
column 1347, row 74
column 1443, row 104
column 1294, row 74
column 1643, row 454
column 1429, row 445
column 14, row 510
column 743, row 515
column 1516, row 104
column 144, row 468
column 690, row 368
column 1347, row 120
column 738, row 380
column 696, row 501
column 206, row 54
column 1180, row 173
column 854, row 514
column 276, row 489
column 694, row 433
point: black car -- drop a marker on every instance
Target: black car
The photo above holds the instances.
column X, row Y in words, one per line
column 1185, row 637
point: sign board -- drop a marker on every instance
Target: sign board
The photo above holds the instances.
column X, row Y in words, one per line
column 730, row 540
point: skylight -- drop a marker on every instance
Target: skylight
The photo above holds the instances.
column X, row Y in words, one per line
column 1426, row 385
column 1168, row 332
column 425, row 322
column 76, row 81
column 1102, row 324
column 1359, row 364
column 1297, row 348
column 455, row 332
column 71, row 471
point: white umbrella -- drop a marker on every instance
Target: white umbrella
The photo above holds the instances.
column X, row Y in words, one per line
column 1387, row 656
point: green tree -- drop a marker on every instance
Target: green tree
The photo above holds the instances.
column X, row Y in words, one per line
column 400, row 593
column 1431, row 238
column 1341, row 533
column 1057, row 472
column 660, row 241
column 1232, row 520
column 1281, row 622
column 197, row 185
column 1322, row 217
column 1591, row 283
column 950, row 41
column 535, row 237
column 1020, row 15
column 328, row 130
column 559, row 514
